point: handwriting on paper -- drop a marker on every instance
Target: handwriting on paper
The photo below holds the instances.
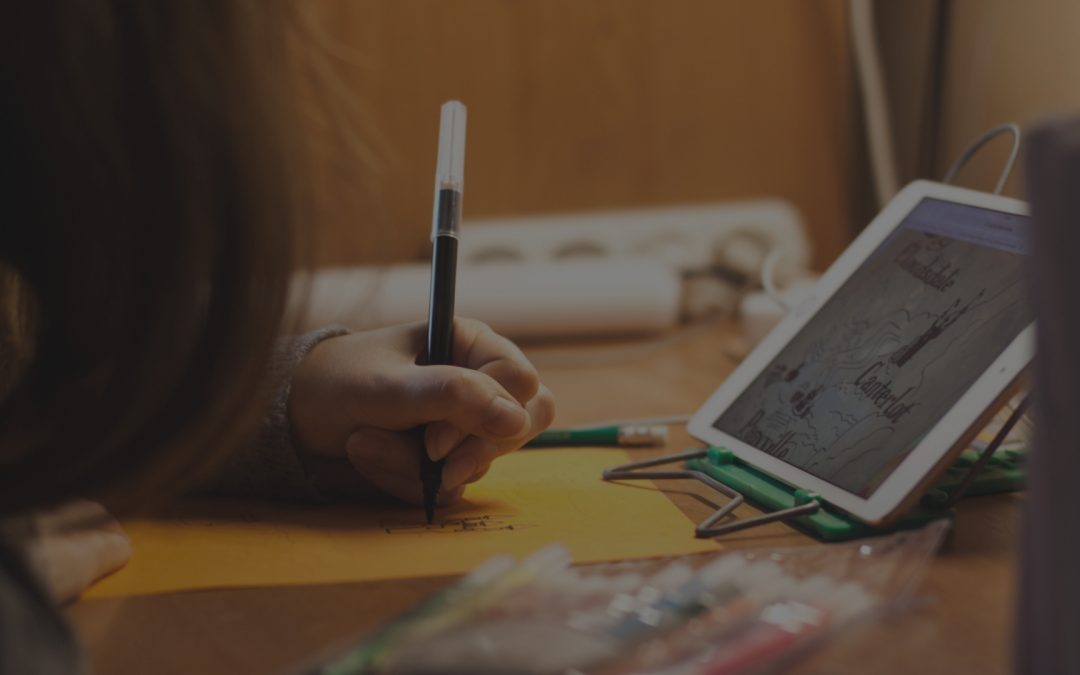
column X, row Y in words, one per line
column 480, row 523
column 529, row 499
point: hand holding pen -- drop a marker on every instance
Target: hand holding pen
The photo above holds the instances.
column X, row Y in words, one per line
column 359, row 399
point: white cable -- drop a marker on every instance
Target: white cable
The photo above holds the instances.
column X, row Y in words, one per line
column 874, row 100
column 1009, row 128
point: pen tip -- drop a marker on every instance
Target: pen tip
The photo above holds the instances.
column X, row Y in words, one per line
column 429, row 511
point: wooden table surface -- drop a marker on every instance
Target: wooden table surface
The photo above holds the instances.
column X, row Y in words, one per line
column 960, row 625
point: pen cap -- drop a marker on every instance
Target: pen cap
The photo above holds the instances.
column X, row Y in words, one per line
column 449, row 168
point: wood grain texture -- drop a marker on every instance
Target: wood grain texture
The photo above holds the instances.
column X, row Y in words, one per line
column 580, row 105
column 1007, row 62
column 960, row 625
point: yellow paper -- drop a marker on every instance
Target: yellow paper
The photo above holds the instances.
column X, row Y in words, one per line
column 529, row 499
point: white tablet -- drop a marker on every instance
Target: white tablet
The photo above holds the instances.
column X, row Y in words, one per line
column 918, row 331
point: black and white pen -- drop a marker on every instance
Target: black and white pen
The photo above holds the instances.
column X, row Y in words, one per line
column 449, row 187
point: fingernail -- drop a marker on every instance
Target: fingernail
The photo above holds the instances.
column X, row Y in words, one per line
column 450, row 497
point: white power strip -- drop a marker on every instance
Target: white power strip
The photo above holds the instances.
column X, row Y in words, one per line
column 689, row 237
column 608, row 272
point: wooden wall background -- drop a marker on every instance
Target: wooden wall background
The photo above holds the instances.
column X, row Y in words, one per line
column 1001, row 61
column 1007, row 61
column 586, row 104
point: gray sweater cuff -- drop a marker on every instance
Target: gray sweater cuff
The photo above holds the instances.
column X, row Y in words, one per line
column 271, row 467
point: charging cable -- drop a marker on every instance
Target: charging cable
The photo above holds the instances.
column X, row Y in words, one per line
column 973, row 149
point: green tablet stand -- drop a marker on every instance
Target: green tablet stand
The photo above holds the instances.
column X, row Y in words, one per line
column 986, row 472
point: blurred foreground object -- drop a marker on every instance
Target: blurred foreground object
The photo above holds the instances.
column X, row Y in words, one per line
column 1048, row 615
column 728, row 612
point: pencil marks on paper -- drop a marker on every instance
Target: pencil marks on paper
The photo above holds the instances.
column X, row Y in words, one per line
column 467, row 524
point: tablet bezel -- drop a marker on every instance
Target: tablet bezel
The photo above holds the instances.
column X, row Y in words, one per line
column 946, row 438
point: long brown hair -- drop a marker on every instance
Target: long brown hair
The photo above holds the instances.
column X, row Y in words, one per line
column 146, row 239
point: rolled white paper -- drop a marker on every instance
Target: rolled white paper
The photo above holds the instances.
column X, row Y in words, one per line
column 519, row 300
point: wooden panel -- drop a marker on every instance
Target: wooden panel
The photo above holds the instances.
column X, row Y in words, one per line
column 585, row 105
column 907, row 34
column 1007, row 61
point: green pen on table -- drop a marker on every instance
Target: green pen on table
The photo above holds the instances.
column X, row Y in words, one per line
column 613, row 435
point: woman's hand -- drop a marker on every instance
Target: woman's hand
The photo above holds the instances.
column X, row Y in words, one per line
column 75, row 544
column 362, row 396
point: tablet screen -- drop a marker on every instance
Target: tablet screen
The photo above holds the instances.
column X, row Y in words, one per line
column 894, row 348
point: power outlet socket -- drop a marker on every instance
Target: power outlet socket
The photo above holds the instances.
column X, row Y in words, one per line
column 689, row 237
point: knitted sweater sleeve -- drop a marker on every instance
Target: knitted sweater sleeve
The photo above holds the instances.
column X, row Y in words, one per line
column 271, row 466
